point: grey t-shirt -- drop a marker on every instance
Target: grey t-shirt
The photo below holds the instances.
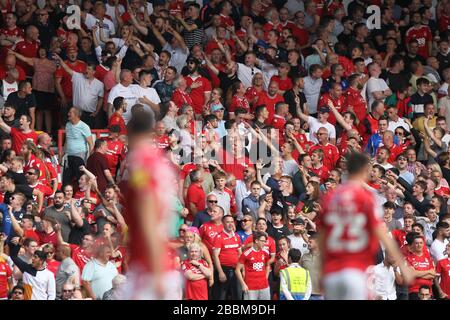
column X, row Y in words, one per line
column 66, row 269
column 62, row 220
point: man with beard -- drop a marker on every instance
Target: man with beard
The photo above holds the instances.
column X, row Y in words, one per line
column 58, row 212
column 165, row 87
column 198, row 87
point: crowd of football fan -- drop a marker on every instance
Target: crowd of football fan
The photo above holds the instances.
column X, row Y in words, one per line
column 256, row 103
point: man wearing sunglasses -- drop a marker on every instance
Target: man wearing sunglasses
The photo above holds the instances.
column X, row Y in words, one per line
column 205, row 215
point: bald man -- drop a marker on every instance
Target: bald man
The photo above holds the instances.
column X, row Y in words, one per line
column 68, row 271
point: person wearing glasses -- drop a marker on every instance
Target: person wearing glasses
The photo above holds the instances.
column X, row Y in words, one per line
column 247, row 225
column 68, row 292
column 205, row 215
column 17, row 293
column 52, row 263
column 256, row 264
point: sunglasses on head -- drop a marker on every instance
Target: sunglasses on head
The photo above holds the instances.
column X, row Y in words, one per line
column 246, row 220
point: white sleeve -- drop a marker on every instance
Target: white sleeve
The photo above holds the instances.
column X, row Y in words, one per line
column 311, row 120
column 112, row 95
column 98, row 53
column 372, row 86
column 308, row 287
column 90, row 21
column 122, row 52
column 284, row 288
column 101, row 90
column 111, row 28
column 51, row 287
column 333, row 133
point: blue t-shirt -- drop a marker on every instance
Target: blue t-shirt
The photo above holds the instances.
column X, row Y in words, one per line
column 76, row 136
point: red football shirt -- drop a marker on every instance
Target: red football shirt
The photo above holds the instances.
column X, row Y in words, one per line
column 422, row 34
column 66, row 82
column 323, row 172
column 198, row 94
column 115, row 154
column 356, row 102
column 150, row 173
column 229, row 245
column 180, row 97
column 117, row 119
column 18, row 138
column 269, row 246
column 421, row 263
column 208, row 232
column 80, row 256
column 400, row 237
column 283, row 84
column 195, row 289
column 278, row 122
column 339, row 104
column 349, row 217
column 5, row 273
column 255, row 268
column 27, row 49
column 197, row 196
column 330, row 154
column 47, row 237
column 238, row 102
column 443, row 269
column 270, row 103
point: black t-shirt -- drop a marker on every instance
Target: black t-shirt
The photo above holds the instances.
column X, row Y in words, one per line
column 277, row 233
column 77, row 233
column 19, row 178
column 395, row 81
column 226, row 81
column 25, row 189
column 22, row 105
column 289, row 97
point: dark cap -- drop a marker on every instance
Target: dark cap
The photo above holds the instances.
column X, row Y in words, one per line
column 324, row 109
column 298, row 221
column 277, row 210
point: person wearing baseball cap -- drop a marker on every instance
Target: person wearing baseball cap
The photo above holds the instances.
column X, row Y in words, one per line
column 299, row 237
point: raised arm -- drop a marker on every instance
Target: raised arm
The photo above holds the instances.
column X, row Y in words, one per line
column 259, row 166
column 430, row 133
column 75, row 214
column 300, row 113
column 63, row 64
column 27, row 60
column 339, row 117
column 211, row 66
column 178, row 37
column 143, row 30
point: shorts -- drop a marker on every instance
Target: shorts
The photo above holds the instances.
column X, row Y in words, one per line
column 45, row 101
column 347, row 284
column 139, row 285
column 263, row 294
